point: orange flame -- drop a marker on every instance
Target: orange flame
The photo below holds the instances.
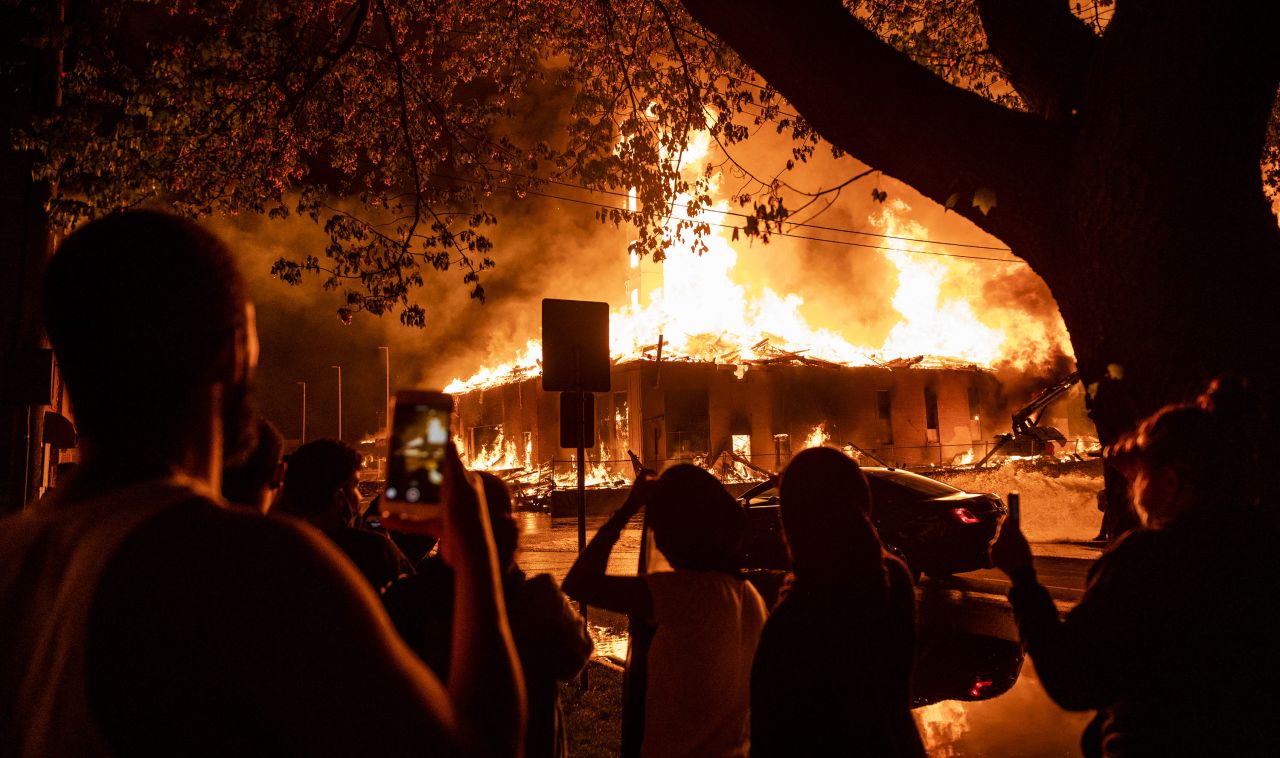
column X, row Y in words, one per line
column 818, row 437
column 704, row 313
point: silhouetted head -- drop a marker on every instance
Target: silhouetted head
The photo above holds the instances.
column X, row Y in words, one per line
column 696, row 523
column 826, row 517
column 506, row 535
column 253, row 477
column 147, row 314
column 320, row 483
column 1189, row 454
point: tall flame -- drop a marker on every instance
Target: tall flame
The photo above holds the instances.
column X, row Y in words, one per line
column 703, row 312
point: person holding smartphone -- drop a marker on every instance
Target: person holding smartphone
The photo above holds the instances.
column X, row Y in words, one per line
column 142, row 615
column 550, row 636
column 1168, row 641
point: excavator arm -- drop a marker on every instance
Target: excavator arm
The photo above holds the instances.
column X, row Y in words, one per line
column 1027, row 418
column 1029, row 415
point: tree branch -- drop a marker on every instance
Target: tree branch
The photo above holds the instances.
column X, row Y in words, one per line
column 1045, row 50
column 875, row 103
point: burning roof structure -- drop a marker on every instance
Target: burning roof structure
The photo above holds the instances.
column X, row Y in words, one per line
column 740, row 423
column 733, row 375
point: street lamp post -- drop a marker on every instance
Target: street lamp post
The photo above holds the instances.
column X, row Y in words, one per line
column 386, row 408
column 339, row 401
column 304, row 412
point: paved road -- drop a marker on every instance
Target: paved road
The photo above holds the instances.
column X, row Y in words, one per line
column 551, row 545
column 974, row 601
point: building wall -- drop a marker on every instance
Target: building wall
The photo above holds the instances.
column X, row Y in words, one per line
column 684, row 411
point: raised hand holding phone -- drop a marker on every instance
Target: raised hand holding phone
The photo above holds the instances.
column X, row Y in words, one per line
column 1011, row 553
column 416, row 454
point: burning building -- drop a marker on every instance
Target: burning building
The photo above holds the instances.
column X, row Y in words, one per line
column 741, row 419
column 731, row 375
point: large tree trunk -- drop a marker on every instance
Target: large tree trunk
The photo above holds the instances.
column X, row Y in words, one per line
column 1178, row 249
column 1136, row 194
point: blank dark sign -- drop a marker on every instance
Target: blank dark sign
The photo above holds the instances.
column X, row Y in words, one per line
column 575, row 345
column 572, row 414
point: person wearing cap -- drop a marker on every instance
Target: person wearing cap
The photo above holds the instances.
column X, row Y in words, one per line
column 1168, row 641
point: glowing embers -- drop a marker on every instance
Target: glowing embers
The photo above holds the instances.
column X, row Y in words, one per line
column 496, row 454
column 818, row 437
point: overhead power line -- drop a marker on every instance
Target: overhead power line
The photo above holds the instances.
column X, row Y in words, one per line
column 792, row 235
column 799, row 225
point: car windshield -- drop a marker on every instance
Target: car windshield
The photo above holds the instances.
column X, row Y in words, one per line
column 921, row 485
column 764, row 497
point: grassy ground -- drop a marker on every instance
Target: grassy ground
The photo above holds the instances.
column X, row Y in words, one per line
column 594, row 717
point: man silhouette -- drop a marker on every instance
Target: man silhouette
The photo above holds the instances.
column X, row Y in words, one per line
column 321, row 488
column 254, row 479
column 141, row 615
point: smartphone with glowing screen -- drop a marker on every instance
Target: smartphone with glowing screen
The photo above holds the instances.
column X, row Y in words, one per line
column 420, row 430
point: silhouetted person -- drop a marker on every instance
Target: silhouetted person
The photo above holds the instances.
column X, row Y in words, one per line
column 706, row 617
column 414, row 547
column 551, row 638
column 139, row 614
column 1168, row 642
column 808, row 697
column 320, row 487
column 1118, row 516
column 1101, row 499
column 253, row 479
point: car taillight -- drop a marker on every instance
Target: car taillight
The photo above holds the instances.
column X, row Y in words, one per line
column 964, row 515
column 978, row 687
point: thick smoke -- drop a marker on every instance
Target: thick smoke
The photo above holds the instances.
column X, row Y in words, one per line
column 544, row 249
column 547, row 247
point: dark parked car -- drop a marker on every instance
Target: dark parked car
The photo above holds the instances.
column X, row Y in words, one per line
column 936, row 528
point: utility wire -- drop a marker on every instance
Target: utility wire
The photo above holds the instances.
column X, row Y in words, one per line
column 803, row 225
column 845, row 243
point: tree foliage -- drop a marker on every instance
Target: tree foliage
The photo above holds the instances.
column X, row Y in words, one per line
column 399, row 125
column 396, row 125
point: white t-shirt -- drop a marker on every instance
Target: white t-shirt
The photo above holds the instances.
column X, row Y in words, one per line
column 698, row 690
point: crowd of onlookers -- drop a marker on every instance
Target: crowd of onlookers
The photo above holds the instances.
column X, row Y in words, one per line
column 147, row 605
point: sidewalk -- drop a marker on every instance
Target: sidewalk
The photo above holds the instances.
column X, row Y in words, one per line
column 1085, row 550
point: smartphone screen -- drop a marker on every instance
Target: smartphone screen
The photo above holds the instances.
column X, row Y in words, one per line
column 415, row 460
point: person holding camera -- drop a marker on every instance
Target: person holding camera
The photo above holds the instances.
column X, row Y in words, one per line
column 142, row 615
column 1168, row 642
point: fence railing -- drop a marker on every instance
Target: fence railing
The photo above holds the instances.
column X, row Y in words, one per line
column 563, row 472
column 560, row 473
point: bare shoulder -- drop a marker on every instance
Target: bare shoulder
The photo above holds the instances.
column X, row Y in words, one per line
column 239, row 560
column 542, row 585
column 278, row 622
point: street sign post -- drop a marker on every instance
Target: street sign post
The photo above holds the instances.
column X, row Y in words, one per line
column 575, row 359
column 574, row 407
column 575, row 362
